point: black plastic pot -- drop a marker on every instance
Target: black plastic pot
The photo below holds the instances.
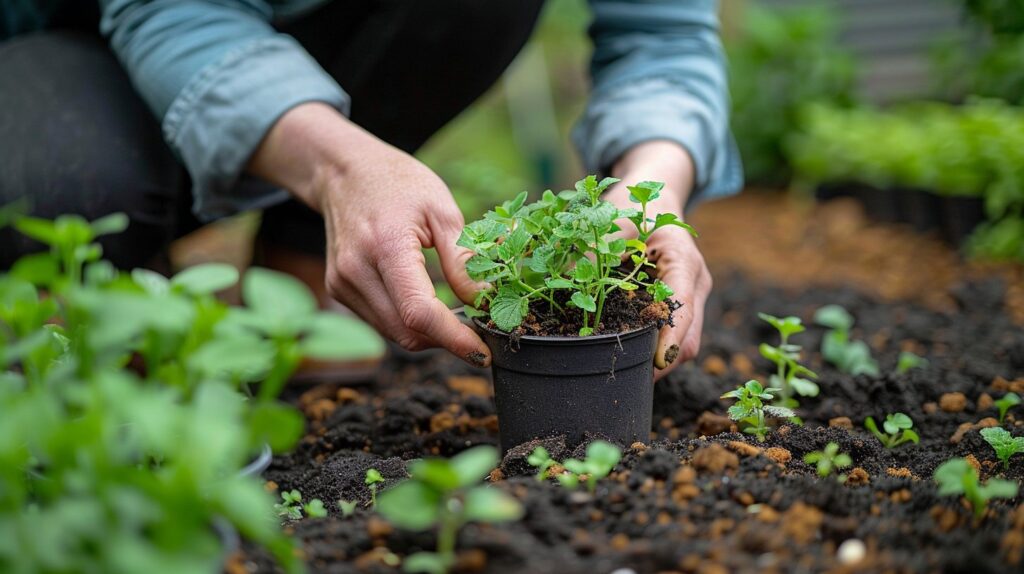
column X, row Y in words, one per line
column 573, row 386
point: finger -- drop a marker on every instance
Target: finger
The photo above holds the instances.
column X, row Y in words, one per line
column 681, row 342
column 409, row 287
column 445, row 233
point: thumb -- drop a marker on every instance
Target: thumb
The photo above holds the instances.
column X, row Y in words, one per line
column 453, row 258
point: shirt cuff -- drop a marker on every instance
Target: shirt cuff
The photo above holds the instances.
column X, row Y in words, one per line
column 222, row 115
column 659, row 109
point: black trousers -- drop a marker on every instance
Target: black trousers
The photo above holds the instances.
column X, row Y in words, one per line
column 76, row 138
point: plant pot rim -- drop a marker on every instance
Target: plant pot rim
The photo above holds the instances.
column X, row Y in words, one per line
column 562, row 340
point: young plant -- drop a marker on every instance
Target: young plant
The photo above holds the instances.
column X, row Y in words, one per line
column 790, row 376
column 292, row 507
column 561, row 251
column 957, row 476
column 908, row 361
column 752, row 410
column 373, row 478
column 851, row 357
column 447, row 494
column 542, row 461
column 897, row 430
column 347, row 507
column 1004, row 404
column 601, row 459
column 1005, row 444
column 828, row 459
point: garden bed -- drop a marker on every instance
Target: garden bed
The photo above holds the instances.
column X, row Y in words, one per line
column 691, row 503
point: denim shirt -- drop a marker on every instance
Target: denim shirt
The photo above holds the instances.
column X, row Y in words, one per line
column 218, row 75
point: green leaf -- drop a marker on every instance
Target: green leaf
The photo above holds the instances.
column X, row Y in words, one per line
column 151, row 281
column 951, row 475
column 663, row 219
column 471, row 466
column 834, row 317
column 604, row 454
column 538, row 457
column 242, row 356
column 586, row 331
column 373, row 476
column 515, row 244
column 277, row 294
column 341, row 338
column 509, row 309
column 661, row 291
column 438, row 473
column 585, row 271
column 109, row 224
column 785, row 326
column 558, row 283
column 488, row 504
column 42, row 230
column 37, row 268
column 908, row 361
column 645, row 191
column 804, row 387
column 998, row 488
column 584, row 301
column 897, row 422
column 411, row 505
column 207, row 278
column 426, row 562
column 276, row 424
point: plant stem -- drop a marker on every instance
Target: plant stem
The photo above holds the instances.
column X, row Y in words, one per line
column 538, row 291
column 447, row 531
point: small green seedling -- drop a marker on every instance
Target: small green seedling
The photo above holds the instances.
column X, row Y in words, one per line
column 1004, row 404
column 829, row 459
column 292, row 507
column 851, row 357
column 751, row 408
column 541, row 460
column 893, row 425
column 790, row 377
column 347, row 507
column 447, row 494
column 373, row 478
column 908, row 361
column 601, row 459
column 1005, row 444
column 957, row 476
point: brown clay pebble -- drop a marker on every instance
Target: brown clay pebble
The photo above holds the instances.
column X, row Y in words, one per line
column 474, row 560
column 930, row 408
column 987, row 422
column 496, row 475
column 620, row 541
column 901, row 472
column 973, row 461
column 715, row 458
column 801, row 522
column 778, row 454
column 710, row 424
column 320, row 409
column 715, row 366
column 985, row 402
column 442, row 421
column 742, row 365
column 841, row 423
column 953, row 402
column 377, row 528
column 857, row 477
column 638, row 446
column 270, row 486
column 743, row 448
column 960, row 432
column 346, row 395
column 470, row 386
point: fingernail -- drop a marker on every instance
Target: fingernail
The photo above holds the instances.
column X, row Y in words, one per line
column 671, row 354
column 477, row 358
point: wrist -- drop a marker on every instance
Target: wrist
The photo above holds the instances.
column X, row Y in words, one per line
column 657, row 160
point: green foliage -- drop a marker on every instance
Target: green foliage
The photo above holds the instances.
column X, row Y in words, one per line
column 790, row 376
column 373, row 478
column 957, row 476
column 1004, row 404
column 562, row 243
column 897, row 430
column 446, row 494
column 828, row 459
column 1005, row 444
column 126, row 413
column 291, row 506
column 908, row 361
column 601, row 458
column 781, row 61
column 347, row 507
column 541, row 460
column 850, row 357
column 752, row 409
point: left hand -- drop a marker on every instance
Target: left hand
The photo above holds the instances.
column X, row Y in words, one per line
column 672, row 249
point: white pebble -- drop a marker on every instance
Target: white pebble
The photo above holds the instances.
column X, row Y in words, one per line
column 851, row 552
column 624, row 571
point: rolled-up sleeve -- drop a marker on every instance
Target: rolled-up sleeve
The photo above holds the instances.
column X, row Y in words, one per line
column 659, row 73
column 218, row 76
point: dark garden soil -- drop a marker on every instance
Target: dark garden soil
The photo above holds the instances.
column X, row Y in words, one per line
column 699, row 497
column 623, row 311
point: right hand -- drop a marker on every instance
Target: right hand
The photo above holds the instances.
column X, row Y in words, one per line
column 381, row 207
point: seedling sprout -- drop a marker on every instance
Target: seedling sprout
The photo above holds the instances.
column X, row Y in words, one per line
column 790, row 376
column 1004, row 404
column 373, row 478
column 1005, row 444
column 751, row 408
column 957, row 476
column 897, row 430
column 829, row 459
column 849, row 356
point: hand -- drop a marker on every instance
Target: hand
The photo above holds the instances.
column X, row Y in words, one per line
column 673, row 250
column 381, row 207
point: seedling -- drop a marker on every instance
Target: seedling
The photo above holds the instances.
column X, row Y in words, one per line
column 851, row 357
column 957, row 476
column 347, row 507
column 541, row 459
column 1005, row 444
column 292, row 507
column 897, row 430
column 829, row 459
column 790, row 376
column 447, row 494
column 373, row 478
column 751, row 408
column 562, row 250
column 601, row 459
column 908, row 361
column 1004, row 404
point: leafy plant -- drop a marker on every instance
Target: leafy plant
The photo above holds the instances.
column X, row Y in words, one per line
column 291, row 506
column 541, row 460
column 561, row 250
column 828, row 459
column 851, row 357
column 957, row 476
column 373, row 478
column 897, row 430
column 601, row 458
column 752, row 410
column 1005, row 444
column 446, row 494
column 347, row 507
column 908, row 361
column 1004, row 404
column 790, row 376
